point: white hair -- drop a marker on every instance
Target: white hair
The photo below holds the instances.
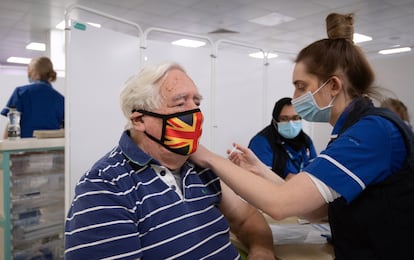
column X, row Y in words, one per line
column 142, row 90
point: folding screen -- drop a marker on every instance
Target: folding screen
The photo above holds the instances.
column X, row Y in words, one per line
column 99, row 61
column 238, row 100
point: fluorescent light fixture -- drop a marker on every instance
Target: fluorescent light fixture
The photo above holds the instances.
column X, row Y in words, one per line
column 97, row 25
column 189, row 43
column 260, row 55
column 36, row 46
column 361, row 38
column 272, row 19
column 395, row 50
column 19, row 60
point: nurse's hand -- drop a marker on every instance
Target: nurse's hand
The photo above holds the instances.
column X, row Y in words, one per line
column 245, row 158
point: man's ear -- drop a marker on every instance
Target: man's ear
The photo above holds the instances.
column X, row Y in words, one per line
column 137, row 121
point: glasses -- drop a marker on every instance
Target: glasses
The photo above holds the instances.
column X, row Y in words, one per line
column 289, row 118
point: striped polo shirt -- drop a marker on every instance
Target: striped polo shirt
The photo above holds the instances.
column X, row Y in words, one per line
column 124, row 209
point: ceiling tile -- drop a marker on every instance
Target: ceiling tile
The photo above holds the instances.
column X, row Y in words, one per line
column 387, row 21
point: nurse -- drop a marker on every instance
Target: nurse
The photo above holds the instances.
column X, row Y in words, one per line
column 282, row 145
column 363, row 181
column 41, row 106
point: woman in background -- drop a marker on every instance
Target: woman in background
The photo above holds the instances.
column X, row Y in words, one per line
column 282, row 145
column 40, row 105
column 363, row 181
column 399, row 108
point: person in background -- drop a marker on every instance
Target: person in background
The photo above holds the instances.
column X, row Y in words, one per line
column 398, row 107
column 364, row 179
column 41, row 106
column 282, row 145
column 145, row 199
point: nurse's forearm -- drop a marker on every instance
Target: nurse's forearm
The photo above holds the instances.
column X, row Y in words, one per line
column 297, row 197
column 256, row 190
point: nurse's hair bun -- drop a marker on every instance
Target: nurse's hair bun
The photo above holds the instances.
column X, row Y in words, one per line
column 340, row 26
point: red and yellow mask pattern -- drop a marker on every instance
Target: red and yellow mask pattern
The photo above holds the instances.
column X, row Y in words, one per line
column 181, row 131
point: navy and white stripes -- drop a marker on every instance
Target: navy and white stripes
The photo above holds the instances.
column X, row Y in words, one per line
column 122, row 213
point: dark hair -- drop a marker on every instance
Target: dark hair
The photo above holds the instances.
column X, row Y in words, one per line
column 338, row 55
column 279, row 106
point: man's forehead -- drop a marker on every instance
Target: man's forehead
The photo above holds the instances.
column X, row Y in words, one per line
column 176, row 78
column 178, row 85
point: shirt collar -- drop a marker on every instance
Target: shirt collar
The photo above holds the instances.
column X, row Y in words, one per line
column 131, row 150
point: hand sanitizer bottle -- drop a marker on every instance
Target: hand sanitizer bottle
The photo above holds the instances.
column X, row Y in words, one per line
column 13, row 129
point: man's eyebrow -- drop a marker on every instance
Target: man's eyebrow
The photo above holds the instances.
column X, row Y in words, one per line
column 183, row 96
column 199, row 96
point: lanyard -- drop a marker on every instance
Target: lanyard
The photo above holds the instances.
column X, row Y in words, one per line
column 299, row 166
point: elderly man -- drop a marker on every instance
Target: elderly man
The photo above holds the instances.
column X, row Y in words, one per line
column 145, row 199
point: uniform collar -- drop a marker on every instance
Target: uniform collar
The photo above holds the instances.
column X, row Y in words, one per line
column 45, row 82
column 341, row 120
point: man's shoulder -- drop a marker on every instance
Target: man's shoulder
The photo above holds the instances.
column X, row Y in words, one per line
column 110, row 165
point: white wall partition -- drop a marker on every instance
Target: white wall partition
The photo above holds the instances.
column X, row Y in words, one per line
column 238, row 100
column 395, row 73
column 98, row 63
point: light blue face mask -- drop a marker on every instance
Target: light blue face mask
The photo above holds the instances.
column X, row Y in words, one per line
column 309, row 110
column 289, row 129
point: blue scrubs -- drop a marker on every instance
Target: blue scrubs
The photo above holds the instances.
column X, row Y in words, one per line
column 366, row 153
column 40, row 105
column 296, row 160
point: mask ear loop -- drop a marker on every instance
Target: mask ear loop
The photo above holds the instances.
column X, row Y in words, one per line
column 323, row 85
column 164, row 124
column 274, row 123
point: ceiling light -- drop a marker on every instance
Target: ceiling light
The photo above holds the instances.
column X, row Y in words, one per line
column 361, row 38
column 260, row 55
column 272, row 19
column 189, row 43
column 395, row 50
column 19, row 60
column 36, row 46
